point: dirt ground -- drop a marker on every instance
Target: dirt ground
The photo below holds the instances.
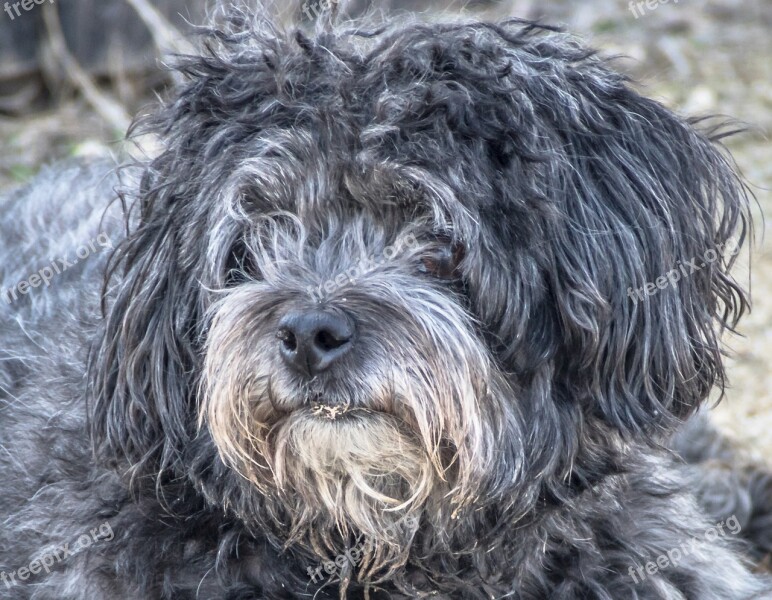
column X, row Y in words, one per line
column 696, row 56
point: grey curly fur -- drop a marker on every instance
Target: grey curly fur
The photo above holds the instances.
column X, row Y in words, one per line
column 508, row 401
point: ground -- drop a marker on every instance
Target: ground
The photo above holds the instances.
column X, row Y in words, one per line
column 698, row 57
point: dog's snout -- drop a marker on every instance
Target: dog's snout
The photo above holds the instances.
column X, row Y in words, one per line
column 312, row 340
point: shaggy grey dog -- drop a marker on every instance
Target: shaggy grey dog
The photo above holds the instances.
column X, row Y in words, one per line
column 384, row 319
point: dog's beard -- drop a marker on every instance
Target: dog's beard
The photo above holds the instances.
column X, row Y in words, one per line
column 356, row 479
column 405, row 431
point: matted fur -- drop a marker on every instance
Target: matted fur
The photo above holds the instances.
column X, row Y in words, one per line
column 507, row 399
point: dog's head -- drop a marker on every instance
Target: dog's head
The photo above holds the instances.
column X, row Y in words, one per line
column 411, row 272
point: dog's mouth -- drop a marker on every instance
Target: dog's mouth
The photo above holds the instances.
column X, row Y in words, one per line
column 337, row 412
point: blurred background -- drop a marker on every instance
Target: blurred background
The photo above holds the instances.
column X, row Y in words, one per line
column 73, row 72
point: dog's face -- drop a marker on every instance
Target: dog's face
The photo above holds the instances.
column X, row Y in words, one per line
column 343, row 370
column 389, row 275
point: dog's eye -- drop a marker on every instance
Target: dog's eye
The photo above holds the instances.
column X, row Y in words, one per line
column 241, row 267
column 443, row 261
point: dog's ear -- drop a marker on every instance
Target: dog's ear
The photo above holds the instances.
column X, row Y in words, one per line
column 650, row 217
column 143, row 366
column 618, row 226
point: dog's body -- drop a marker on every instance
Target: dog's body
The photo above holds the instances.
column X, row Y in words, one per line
column 476, row 412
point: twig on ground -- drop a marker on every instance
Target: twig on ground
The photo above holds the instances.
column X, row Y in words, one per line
column 166, row 36
column 107, row 107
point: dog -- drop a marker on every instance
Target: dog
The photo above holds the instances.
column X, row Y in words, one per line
column 367, row 325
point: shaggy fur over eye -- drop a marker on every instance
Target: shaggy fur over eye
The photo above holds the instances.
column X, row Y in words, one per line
column 407, row 311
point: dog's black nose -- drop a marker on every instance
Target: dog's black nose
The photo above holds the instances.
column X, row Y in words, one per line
column 310, row 341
